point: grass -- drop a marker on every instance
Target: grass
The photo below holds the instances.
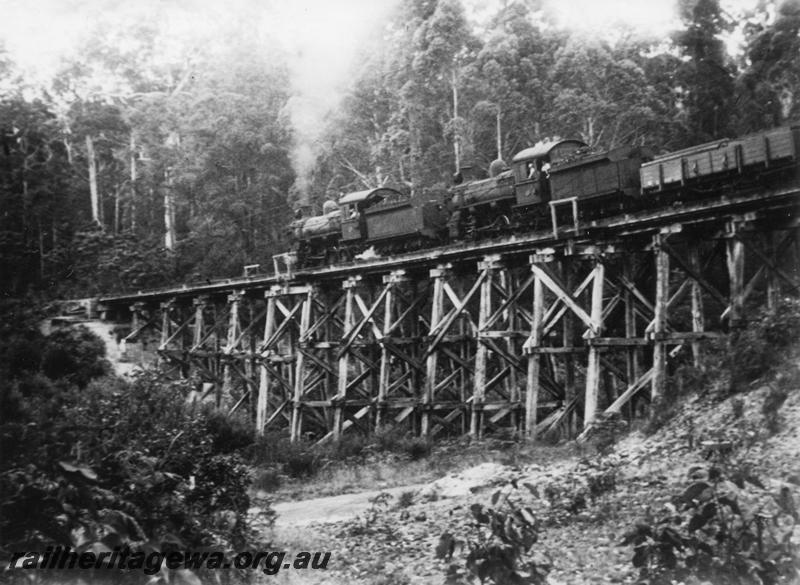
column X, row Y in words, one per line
column 382, row 470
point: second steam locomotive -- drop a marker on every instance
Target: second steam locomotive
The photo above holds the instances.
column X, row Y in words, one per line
column 553, row 183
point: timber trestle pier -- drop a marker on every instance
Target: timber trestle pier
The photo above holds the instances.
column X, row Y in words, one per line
column 538, row 333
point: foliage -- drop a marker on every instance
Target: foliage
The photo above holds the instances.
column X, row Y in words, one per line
column 74, row 354
column 192, row 147
column 721, row 529
column 267, row 479
column 607, row 431
column 771, row 407
column 706, row 75
column 767, row 86
column 405, row 499
column 304, row 458
column 94, row 462
column 190, row 170
column 371, row 523
column 417, row 448
column 578, row 494
column 763, row 343
column 499, row 546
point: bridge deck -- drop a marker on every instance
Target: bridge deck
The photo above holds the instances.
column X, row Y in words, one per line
column 774, row 203
column 539, row 332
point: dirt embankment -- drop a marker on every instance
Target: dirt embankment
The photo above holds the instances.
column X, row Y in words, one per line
column 392, row 538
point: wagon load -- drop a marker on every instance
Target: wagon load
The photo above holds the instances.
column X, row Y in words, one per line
column 721, row 158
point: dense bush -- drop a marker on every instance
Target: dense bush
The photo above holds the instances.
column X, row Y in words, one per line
column 499, row 546
column 724, row 528
column 74, row 354
column 762, row 344
column 96, row 462
column 305, row 458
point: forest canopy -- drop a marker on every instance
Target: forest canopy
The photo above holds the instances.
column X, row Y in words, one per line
column 152, row 154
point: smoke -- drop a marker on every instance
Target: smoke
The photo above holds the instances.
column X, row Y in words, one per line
column 322, row 39
column 607, row 17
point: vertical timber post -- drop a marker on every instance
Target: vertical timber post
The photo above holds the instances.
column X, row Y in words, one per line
column 698, row 318
column 234, row 300
column 136, row 315
column 735, row 257
column 534, row 357
column 200, row 304
column 166, row 322
column 773, row 282
column 568, row 337
column 658, row 383
column 593, row 365
column 632, row 369
column 344, row 357
column 735, row 261
column 438, row 275
column 300, row 364
column 138, row 321
column 489, row 265
column 391, row 281
column 509, row 283
column 262, row 403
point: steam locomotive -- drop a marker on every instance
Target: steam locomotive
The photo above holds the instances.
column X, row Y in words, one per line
column 553, row 183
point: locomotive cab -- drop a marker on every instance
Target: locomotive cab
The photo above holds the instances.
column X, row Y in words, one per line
column 531, row 169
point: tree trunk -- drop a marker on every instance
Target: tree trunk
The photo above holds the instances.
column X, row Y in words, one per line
column 116, row 208
column 169, row 215
column 499, row 136
column 93, row 192
column 456, row 142
column 41, row 249
column 132, row 204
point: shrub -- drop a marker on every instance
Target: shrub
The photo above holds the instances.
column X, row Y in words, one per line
column 417, row 448
column 759, row 347
column 719, row 530
column 300, row 461
column 663, row 410
column 228, row 434
column 607, row 431
column 117, row 464
column 500, row 546
column 267, row 479
column 75, row 354
column 771, row 407
column 405, row 500
column 348, row 446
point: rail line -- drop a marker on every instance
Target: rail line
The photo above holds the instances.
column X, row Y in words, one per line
column 536, row 333
column 785, row 200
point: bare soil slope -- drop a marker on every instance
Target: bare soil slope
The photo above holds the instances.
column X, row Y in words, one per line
column 391, row 537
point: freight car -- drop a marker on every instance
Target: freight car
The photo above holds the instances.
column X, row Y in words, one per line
column 553, row 183
column 742, row 162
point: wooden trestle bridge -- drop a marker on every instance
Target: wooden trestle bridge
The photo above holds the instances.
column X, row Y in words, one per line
column 537, row 332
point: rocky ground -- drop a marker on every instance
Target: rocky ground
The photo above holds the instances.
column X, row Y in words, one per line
column 390, row 537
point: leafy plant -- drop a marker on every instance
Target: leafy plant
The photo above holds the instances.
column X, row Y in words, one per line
column 96, row 463
column 761, row 345
column 500, row 546
column 406, row 499
column 721, row 530
column 771, row 407
column 369, row 523
column 607, row 431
